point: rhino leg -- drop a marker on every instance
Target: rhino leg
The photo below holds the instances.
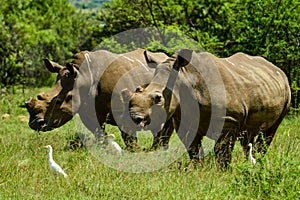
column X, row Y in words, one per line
column 195, row 150
column 264, row 140
column 100, row 136
column 130, row 141
column 161, row 139
column 224, row 146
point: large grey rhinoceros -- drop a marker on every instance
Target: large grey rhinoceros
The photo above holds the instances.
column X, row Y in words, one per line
column 240, row 96
column 90, row 85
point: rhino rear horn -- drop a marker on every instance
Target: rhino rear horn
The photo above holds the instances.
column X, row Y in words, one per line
column 184, row 57
column 52, row 66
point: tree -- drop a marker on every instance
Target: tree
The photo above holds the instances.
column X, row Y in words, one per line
column 33, row 30
column 257, row 27
column 270, row 29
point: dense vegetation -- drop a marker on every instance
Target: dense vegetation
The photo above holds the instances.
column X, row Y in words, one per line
column 32, row 30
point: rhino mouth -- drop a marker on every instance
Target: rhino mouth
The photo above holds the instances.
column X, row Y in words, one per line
column 40, row 124
column 141, row 120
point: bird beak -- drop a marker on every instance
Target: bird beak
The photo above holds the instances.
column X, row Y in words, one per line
column 45, row 147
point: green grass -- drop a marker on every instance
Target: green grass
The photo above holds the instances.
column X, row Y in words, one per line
column 24, row 172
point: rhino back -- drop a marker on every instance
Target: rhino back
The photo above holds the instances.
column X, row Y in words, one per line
column 256, row 89
column 127, row 71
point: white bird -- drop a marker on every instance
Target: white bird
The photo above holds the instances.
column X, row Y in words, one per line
column 250, row 156
column 53, row 165
column 112, row 145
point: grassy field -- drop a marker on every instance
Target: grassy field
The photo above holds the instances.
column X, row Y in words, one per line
column 25, row 174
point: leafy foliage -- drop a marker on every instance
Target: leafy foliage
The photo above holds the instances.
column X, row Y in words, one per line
column 33, row 30
column 266, row 28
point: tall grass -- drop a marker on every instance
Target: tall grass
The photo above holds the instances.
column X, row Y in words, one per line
column 25, row 174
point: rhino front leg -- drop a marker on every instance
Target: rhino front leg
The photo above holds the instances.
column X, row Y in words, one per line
column 130, row 141
column 196, row 153
column 224, row 146
column 195, row 149
column 162, row 138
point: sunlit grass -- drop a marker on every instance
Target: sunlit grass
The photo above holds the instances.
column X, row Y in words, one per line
column 25, row 174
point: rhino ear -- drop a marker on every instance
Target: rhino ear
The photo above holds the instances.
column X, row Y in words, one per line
column 139, row 89
column 152, row 59
column 183, row 58
column 126, row 95
column 73, row 68
column 52, row 66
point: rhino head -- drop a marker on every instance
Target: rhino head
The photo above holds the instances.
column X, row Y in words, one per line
column 54, row 108
column 141, row 105
column 156, row 103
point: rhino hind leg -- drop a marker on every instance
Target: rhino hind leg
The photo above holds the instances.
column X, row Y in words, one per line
column 224, row 146
column 264, row 140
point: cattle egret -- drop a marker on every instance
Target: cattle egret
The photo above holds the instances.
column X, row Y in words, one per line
column 112, row 145
column 250, row 156
column 53, row 165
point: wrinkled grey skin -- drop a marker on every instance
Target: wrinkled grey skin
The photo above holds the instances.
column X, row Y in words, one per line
column 255, row 98
column 90, row 85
